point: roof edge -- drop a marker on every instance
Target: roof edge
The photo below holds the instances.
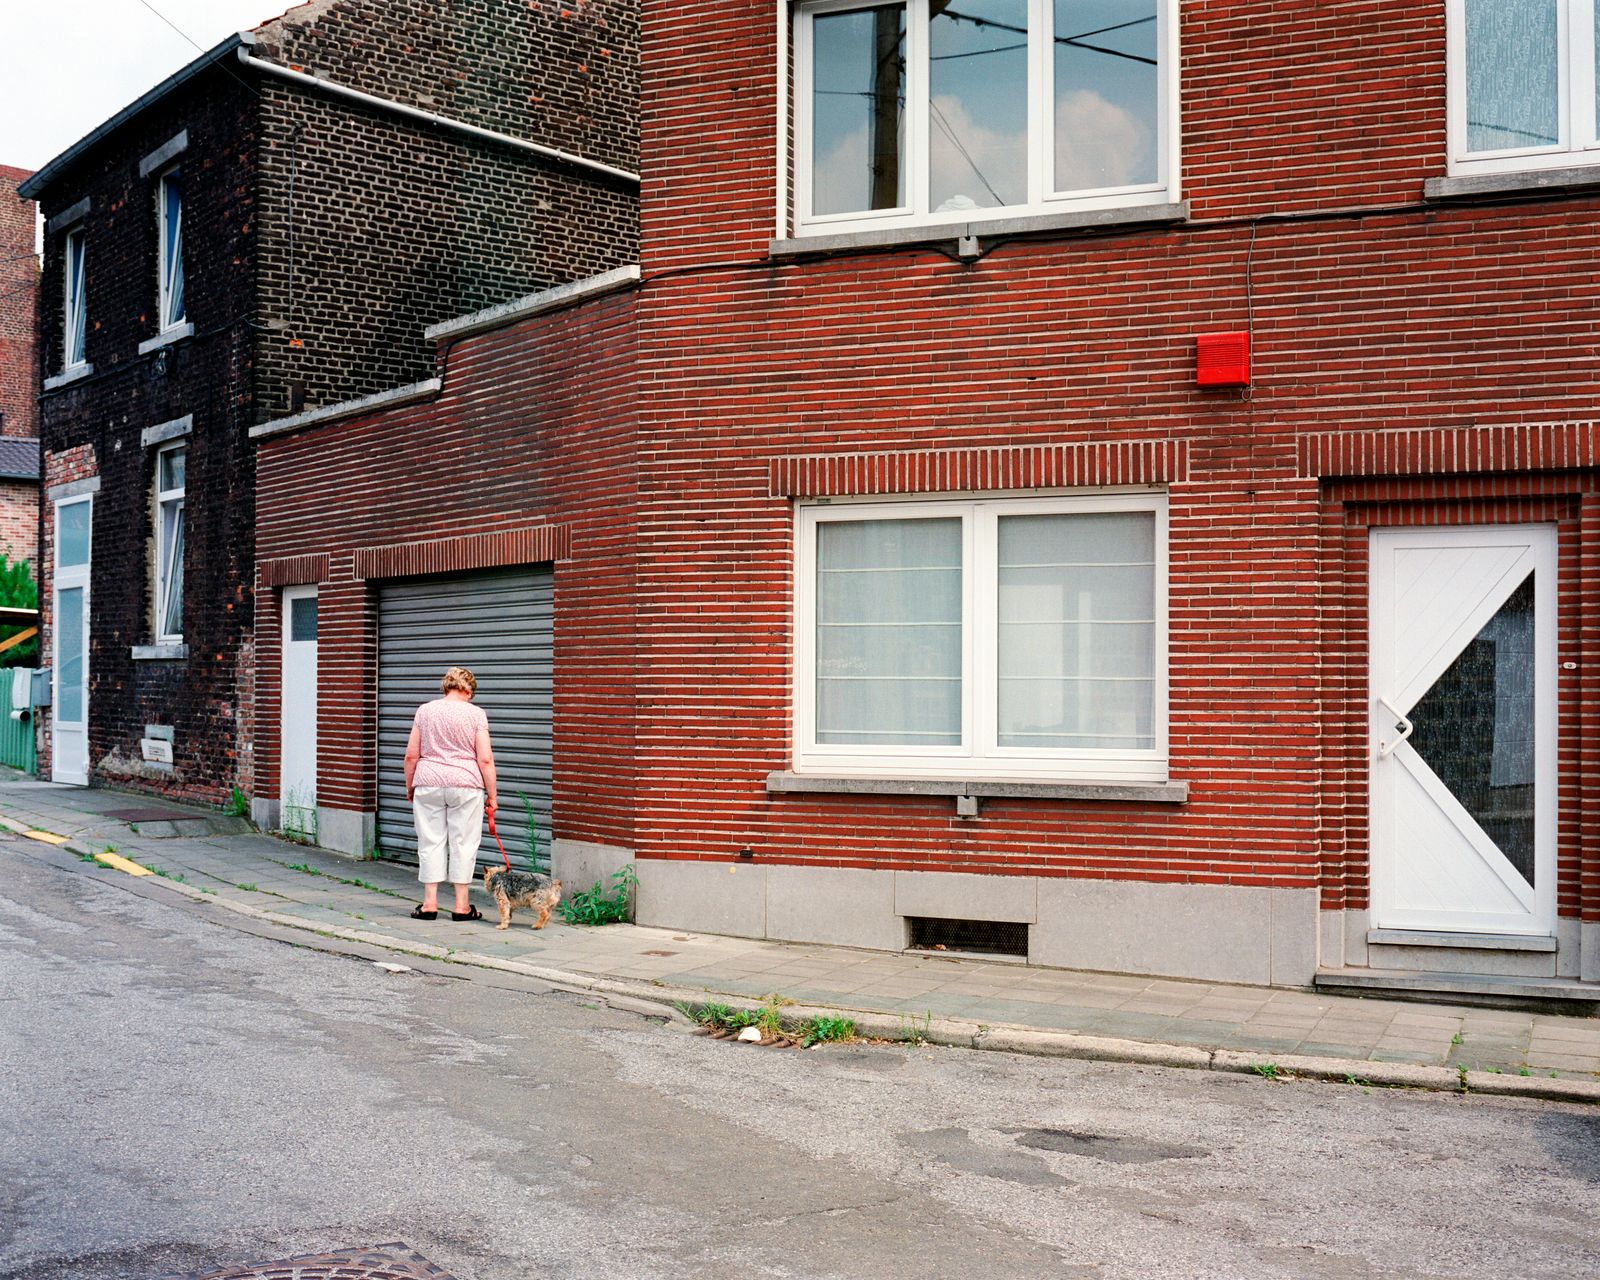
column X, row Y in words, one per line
column 625, row 277
column 36, row 186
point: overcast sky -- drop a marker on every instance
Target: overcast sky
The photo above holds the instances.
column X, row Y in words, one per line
column 66, row 65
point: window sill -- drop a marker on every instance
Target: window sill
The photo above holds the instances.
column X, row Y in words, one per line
column 166, row 338
column 1579, row 179
column 1460, row 941
column 68, row 375
column 158, row 652
column 1005, row 788
column 943, row 232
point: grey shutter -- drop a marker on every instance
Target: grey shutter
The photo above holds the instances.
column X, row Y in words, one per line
column 499, row 624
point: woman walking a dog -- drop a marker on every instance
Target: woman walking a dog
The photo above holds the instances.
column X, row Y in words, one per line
column 450, row 781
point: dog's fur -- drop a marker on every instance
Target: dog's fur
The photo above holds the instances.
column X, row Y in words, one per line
column 522, row 889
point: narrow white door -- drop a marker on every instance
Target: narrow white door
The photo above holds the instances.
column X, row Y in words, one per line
column 298, row 737
column 69, row 711
column 1463, row 729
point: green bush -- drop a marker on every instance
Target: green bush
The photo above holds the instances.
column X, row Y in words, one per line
column 18, row 591
column 601, row 906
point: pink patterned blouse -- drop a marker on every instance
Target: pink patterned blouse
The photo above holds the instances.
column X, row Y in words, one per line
column 448, row 729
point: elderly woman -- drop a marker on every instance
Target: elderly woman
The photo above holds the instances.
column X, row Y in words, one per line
column 451, row 785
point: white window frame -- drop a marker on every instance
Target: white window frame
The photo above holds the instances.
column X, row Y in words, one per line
column 75, row 311
column 979, row 756
column 1041, row 139
column 1579, row 144
column 164, row 499
column 164, row 269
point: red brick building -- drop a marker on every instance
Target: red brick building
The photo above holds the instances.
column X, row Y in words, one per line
column 19, row 365
column 952, row 606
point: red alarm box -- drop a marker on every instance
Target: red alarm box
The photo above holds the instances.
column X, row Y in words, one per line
column 1222, row 360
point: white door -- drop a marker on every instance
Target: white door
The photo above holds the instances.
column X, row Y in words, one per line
column 69, row 710
column 298, row 737
column 1463, row 729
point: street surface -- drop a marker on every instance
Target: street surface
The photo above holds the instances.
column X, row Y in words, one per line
column 180, row 1095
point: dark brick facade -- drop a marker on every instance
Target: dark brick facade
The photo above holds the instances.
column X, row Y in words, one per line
column 396, row 224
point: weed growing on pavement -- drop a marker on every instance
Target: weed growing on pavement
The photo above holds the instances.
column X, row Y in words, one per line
column 769, row 1018
column 1456, row 1039
column 1523, row 1071
column 1357, row 1080
column 88, row 857
column 597, row 906
column 825, row 1027
column 914, row 1032
column 248, row 888
column 354, row 882
column 530, row 822
column 168, row 875
column 203, row 889
column 238, row 804
column 1266, row 1070
column 1461, row 1075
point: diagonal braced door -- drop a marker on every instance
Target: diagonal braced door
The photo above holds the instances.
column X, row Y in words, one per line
column 1463, row 729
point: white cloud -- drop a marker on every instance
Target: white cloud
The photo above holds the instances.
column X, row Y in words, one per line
column 1099, row 144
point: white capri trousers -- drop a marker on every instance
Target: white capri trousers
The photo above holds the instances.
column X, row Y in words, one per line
column 447, row 817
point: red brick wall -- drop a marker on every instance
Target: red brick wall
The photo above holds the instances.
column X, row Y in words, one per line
column 1366, row 320
column 534, row 430
column 19, row 519
column 19, row 283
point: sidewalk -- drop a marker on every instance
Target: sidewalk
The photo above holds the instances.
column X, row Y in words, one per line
column 983, row 1003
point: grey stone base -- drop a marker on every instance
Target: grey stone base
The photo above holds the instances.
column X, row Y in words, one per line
column 346, row 830
column 580, row 864
column 264, row 813
column 1346, row 945
column 1219, row 933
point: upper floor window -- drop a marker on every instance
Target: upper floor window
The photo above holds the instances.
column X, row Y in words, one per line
column 171, row 465
column 169, row 216
column 75, row 327
column 918, row 111
column 1522, row 85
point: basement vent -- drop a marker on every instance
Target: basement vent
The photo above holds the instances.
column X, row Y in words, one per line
column 974, row 937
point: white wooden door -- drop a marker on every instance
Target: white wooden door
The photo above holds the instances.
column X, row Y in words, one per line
column 1463, row 729
column 298, row 735
column 69, row 699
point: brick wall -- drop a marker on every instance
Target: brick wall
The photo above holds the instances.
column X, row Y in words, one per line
column 19, row 519
column 1440, row 318
column 396, row 226
column 19, row 276
column 529, row 454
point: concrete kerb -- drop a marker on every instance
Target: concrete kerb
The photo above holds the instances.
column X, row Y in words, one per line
column 658, row 1000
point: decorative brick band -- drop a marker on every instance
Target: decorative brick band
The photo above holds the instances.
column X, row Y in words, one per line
column 474, row 551
column 964, row 470
column 1560, row 446
column 292, row 571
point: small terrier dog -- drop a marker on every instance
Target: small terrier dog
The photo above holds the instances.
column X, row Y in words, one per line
column 522, row 889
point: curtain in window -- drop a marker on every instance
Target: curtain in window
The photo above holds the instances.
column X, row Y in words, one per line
column 1513, row 90
column 1076, row 658
column 172, row 597
column 172, row 251
column 69, row 654
column 889, row 638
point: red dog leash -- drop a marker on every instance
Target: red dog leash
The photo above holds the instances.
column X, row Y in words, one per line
column 498, row 841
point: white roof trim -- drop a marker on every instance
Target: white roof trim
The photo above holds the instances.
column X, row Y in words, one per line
column 391, row 399
column 535, row 303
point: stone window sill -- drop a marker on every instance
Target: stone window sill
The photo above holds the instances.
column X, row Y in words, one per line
column 166, row 338
column 1459, row 941
column 68, row 375
column 988, row 229
column 1003, row 788
column 1577, row 180
column 159, row 652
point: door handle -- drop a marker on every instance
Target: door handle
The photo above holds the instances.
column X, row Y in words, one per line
column 1403, row 728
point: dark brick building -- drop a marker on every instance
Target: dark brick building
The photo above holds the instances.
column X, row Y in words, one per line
column 269, row 230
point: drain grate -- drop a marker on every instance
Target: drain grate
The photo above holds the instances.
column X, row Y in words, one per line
column 984, row 937
column 381, row 1262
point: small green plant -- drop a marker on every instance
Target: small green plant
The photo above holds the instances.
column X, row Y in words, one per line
column 826, row 1027
column 238, row 804
column 168, row 875
column 913, row 1031
column 769, row 1017
column 1523, row 1071
column 203, row 889
column 530, row 823
column 1357, row 1080
column 598, row 905
column 374, row 850
column 248, row 888
column 88, row 857
column 299, row 820
column 305, row 868
column 1461, row 1075
column 1266, row 1070
column 1456, row 1039
column 1494, row 1071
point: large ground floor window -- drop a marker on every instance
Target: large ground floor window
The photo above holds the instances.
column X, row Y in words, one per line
column 1001, row 637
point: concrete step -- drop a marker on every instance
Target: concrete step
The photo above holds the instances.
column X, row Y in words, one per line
column 1547, row 995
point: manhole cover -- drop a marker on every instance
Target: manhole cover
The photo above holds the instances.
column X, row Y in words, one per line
column 150, row 815
column 380, row 1262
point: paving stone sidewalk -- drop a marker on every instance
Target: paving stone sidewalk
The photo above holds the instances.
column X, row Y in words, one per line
column 328, row 891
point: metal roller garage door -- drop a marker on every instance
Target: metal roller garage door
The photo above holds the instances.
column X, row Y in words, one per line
column 499, row 625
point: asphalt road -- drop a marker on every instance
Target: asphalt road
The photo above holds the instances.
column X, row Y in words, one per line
column 177, row 1094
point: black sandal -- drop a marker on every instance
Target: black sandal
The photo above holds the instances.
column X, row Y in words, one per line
column 417, row 913
column 471, row 913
